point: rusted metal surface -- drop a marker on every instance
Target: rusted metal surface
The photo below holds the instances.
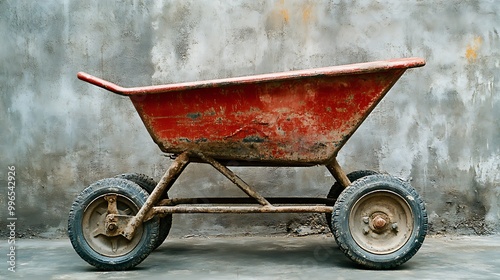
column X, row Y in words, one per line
column 337, row 172
column 245, row 200
column 164, row 185
column 106, row 218
column 290, row 118
column 111, row 225
column 115, row 224
column 241, row 209
column 379, row 222
column 111, row 199
column 236, row 180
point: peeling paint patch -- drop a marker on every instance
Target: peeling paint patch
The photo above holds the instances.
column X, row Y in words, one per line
column 194, row 116
column 253, row 139
column 201, row 140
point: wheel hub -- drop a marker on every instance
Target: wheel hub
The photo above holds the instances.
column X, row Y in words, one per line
column 381, row 222
column 101, row 229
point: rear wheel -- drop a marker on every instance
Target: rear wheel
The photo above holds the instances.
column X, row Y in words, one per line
column 88, row 215
column 149, row 184
column 337, row 189
column 379, row 222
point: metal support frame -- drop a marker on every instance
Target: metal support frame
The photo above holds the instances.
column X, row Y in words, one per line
column 154, row 206
column 241, row 209
column 246, row 200
column 334, row 167
column 236, row 180
column 164, row 185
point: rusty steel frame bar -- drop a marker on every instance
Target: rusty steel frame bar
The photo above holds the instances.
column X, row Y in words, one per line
column 245, row 200
column 164, row 185
column 334, row 167
column 241, row 209
column 235, row 179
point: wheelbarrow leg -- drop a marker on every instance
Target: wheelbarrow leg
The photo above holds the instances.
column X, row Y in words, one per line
column 337, row 172
column 164, row 185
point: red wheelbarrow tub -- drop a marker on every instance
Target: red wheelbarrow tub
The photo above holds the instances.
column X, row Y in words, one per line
column 295, row 118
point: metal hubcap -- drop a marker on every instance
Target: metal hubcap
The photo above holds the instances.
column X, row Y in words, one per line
column 95, row 215
column 381, row 222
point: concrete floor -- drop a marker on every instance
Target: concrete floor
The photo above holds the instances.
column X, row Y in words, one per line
column 312, row 257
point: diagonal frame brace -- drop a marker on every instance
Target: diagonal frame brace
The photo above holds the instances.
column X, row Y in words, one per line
column 235, row 179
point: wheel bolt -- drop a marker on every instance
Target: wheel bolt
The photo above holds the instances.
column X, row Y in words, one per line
column 394, row 226
column 366, row 220
column 366, row 230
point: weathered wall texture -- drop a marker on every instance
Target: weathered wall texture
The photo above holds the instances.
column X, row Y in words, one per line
column 439, row 125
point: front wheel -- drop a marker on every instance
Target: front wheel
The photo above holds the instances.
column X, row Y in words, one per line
column 88, row 215
column 379, row 221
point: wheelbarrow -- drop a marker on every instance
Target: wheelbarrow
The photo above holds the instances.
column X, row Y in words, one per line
column 296, row 118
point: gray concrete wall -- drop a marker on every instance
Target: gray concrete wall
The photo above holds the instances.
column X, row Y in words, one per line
column 439, row 124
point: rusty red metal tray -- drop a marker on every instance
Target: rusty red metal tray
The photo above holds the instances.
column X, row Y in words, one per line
column 290, row 118
column 295, row 118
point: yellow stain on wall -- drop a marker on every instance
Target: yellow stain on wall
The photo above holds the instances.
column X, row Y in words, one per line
column 285, row 15
column 307, row 13
column 471, row 51
column 280, row 13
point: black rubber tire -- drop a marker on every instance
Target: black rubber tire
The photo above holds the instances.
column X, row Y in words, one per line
column 148, row 184
column 337, row 189
column 128, row 192
column 367, row 186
